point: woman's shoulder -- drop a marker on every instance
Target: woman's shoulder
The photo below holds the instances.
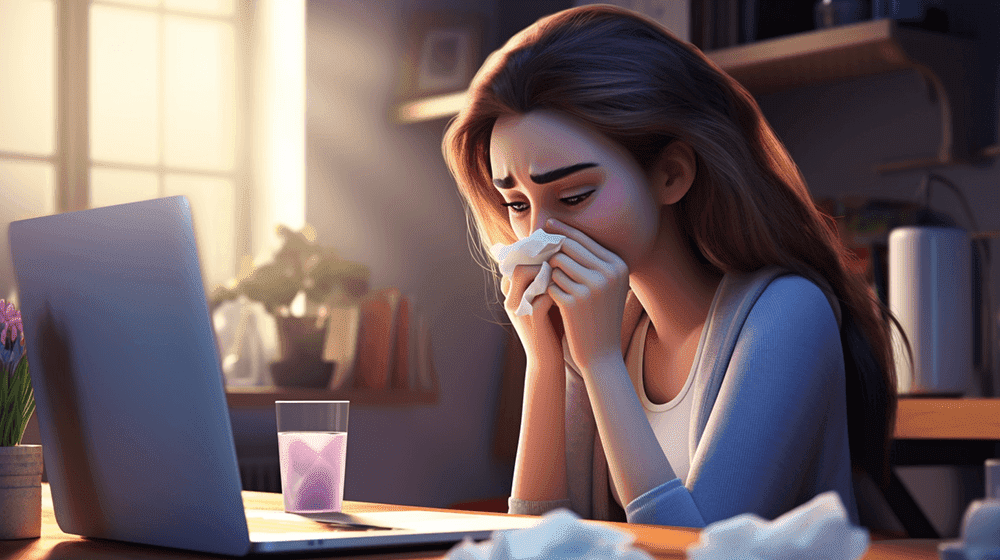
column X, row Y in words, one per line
column 791, row 329
column 791, row 292
column 772, row 287
column 796, row 306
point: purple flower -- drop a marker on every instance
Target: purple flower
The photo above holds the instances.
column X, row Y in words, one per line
column 11, row 319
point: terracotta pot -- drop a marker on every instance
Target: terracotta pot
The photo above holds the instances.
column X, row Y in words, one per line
column 20, row 492
column 309, row 373
column 300, row 339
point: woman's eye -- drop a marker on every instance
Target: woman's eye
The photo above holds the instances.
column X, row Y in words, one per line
column 516, row 206
column 577, row 199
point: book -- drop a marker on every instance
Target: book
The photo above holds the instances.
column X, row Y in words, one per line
column 426, row 374
column 406, row 366
column 341, row 344
column 376, row 339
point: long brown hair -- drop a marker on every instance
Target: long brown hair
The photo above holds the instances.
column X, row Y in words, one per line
column 631, row 80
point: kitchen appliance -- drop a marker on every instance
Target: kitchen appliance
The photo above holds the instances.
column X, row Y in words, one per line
column 930, row 293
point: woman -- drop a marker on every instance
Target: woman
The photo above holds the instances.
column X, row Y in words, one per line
column 702, row 349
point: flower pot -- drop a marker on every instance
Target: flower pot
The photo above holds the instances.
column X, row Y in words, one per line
column 302, row 373
column 20, row 492
column 300, row 339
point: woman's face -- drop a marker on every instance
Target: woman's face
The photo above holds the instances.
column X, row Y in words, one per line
column 547, row 165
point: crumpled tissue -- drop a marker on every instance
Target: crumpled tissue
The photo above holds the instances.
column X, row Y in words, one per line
column 535, row 249
column 561, row 535
column 980, row 535
column 818, row 529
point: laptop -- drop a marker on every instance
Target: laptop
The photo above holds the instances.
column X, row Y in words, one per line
column 131, row 403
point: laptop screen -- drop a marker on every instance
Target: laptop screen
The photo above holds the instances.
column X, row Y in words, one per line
column 131, row 406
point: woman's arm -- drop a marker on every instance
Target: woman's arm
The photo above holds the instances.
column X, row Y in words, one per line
column 635, row 458
column 779, row 420
column 540, row 464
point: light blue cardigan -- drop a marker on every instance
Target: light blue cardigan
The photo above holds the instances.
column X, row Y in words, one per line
column 769, row 426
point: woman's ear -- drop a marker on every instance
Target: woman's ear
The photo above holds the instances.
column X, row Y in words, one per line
column 673, row 172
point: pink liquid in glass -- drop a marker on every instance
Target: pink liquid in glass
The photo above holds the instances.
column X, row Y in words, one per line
column 312, row 470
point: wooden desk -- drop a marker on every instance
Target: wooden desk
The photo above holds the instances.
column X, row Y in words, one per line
column 946, row 432
column 936, row 431
column 660, row 542
column 956, row 419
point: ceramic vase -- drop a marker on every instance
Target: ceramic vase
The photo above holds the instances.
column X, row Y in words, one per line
column 20, row 492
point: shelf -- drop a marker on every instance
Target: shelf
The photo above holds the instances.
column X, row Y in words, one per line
column 961, row 419
column 864, row 49
column 431, row 108
column 828, row 55
column 264, row 397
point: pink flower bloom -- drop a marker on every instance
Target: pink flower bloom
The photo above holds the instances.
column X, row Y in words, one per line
column 11, row 319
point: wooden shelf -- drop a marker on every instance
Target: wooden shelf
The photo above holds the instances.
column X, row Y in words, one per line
column 431, row 108
column 837, row 53
column 828, row 55
column 920, row 418
column 258, row 397
column 863, row 49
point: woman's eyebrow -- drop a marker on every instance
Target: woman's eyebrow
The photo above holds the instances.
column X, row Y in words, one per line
column 547, row 177
column 557, row 174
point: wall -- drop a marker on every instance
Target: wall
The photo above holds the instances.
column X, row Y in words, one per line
column 379, row 193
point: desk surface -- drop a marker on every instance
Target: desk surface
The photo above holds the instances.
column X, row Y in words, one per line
column 925, row 418
column 661, row 542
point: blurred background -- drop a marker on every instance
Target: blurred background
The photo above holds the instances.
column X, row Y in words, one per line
column 331, row 112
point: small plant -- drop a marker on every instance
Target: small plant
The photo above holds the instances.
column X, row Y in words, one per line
column 17, row 399
column 301, row 265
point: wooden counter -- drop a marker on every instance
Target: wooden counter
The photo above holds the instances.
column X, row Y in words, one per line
column 660, row 542
column 959, row 419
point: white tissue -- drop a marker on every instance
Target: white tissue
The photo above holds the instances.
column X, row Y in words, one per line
column 818, row 529
column 561, row 535
column 535, row 249
column 980, row 536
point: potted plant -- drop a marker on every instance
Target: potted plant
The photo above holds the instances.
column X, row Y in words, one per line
column 301, row 266
column 20, row 465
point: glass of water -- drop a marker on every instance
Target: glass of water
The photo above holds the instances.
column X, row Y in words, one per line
column 312, row 451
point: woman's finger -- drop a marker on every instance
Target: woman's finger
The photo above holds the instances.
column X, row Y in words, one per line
column 555, row 226
column 559, row 296
column 520, row 280
column 565, row 283
column 541, row 304
column 575, row 271
column 575, row 250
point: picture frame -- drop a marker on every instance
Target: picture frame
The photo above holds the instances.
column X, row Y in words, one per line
column 443, row 52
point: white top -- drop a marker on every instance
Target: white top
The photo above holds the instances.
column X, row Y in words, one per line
column 671, row 421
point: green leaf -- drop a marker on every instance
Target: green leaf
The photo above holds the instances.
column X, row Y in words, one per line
column 17, row 403
column 6, row 427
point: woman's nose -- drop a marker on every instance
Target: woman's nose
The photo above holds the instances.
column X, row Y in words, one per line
column 539, row 219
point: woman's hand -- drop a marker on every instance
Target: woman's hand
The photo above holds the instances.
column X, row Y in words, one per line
column 590, row 284
column 540, row 463
column 541, row 331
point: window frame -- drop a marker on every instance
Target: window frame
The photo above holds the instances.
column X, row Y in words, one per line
column 72, row 158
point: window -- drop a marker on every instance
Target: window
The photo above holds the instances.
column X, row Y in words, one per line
column 27, row 108
column 164, row 114
column 111, row 101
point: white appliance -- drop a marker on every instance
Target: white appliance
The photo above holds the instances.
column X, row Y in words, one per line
column 930, row 293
